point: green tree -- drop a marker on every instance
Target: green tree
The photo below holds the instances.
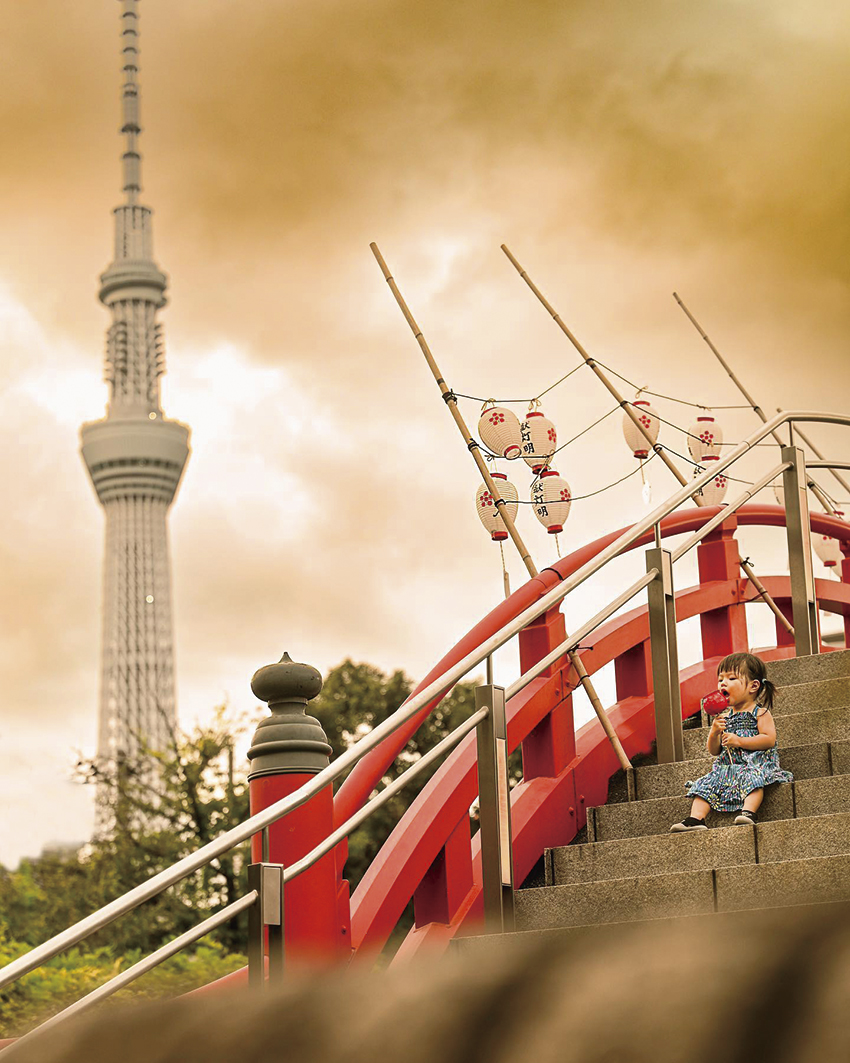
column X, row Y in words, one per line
column 356, row 698
column 198, row 794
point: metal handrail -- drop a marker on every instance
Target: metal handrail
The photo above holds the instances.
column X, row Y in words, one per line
column 256, row 823
column 452, row 739
column 146, row 964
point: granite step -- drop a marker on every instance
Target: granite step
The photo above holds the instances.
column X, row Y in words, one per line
column 737, row 888
column 769, row 885
column 635, row 819
column 616, row 900
column 796, row 729
column 655, row 855
column 792, row 839
column 823, row 694
column 802, row 839
column 776, row 918
column 821, row 797
column 668, row 780
column 809, row 669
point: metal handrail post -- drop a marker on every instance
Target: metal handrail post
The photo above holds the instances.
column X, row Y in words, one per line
column 665, row 658
column 265, row 914
column 804, row 606
column 494, row 811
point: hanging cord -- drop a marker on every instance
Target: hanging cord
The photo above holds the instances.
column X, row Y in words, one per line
column 490, row 456
column 703, row 468
column 669, row 398
column 687, row 432
column 580, row 498
column 506, row 579
column 533, row 400
column 584, row 431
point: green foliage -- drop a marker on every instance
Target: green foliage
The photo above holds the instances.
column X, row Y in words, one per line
column 66, row 978
column 354, row 699
column 198, row 795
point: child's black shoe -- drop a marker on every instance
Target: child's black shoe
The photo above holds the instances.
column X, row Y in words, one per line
column 689, row 823
column 745, row 817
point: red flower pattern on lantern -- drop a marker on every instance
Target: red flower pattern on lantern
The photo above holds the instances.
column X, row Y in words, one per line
column 498, row 428
column 488, row 512
column 647, row 418
column 704, row 437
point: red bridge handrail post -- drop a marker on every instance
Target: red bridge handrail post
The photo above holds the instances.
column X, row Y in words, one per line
column 551, row 745
column 845, row 578
column 724, row 630
column 288, row 748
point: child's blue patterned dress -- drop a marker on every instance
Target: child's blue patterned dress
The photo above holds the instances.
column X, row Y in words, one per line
column 730, row 780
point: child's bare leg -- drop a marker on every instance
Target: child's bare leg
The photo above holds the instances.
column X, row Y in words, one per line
column 700, row 808
column 753, row 800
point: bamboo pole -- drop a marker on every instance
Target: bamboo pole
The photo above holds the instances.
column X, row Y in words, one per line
column 451, row 403
column 474, row 450
column 728, row 369
column 813, row 487
column 628, row 408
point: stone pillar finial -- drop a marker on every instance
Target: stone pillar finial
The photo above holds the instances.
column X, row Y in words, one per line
column 289, row 741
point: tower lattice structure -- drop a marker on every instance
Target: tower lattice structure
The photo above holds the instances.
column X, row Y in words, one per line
column 135, row 457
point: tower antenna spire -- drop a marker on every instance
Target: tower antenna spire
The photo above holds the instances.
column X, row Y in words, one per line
column 135, row 457
column 130, row 125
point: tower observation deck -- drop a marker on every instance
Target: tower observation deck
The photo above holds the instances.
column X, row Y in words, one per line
column 135, row 457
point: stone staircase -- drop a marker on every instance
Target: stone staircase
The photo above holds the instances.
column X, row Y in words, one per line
column 632, row 869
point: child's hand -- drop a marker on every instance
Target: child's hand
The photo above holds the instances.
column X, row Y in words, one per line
column 718, row 725
column 730, row 741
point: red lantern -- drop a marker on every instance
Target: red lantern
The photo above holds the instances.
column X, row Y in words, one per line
column 705, row 437
column 649, row 419
column 488, row 511
column 539, row 440
column 552, row 498
column 499, row 430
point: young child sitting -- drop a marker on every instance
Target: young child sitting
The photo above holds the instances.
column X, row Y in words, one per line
column 743, row 741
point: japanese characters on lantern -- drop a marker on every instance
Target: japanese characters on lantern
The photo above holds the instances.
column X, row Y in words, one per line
column 552, row 498
column 539, row 440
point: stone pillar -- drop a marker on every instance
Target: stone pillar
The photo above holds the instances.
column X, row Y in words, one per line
column 287, row 750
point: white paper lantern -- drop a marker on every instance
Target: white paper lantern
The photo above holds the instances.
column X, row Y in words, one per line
column 827, row 548
column 499, row 430
column 539, row 440
column 488, row 510
column 552, row 498
column 714, row 491
column 649, row 419
column 705, row 437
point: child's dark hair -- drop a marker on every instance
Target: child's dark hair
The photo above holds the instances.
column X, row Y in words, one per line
column 751, row 667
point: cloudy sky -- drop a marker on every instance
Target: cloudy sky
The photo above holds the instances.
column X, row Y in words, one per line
column 621, row 150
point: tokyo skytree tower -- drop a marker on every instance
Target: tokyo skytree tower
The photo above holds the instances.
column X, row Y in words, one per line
column 135, row 457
